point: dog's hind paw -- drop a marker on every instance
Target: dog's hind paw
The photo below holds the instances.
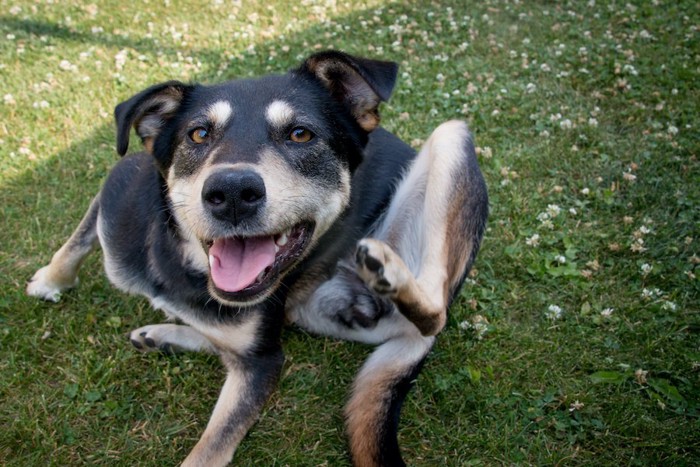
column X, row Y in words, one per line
column 41, row 285
column 364, row 310
column 380, row 267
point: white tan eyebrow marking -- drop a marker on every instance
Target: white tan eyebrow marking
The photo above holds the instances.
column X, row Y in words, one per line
column 219, row 113
column 279, row 113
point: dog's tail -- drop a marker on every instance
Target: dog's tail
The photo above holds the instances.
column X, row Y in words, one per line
column 378, row 394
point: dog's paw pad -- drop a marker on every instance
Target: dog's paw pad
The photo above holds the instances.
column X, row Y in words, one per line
column 137, row 344
column 364, row 258
column 147, row 339
column 376, row 262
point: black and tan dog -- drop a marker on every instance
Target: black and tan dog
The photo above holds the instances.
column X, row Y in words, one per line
column 280, row 199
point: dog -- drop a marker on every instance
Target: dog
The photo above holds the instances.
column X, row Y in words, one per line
column 280, row 199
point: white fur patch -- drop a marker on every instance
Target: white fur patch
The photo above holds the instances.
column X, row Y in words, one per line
column 219, row 113
column 238, row 338
column 279, row 113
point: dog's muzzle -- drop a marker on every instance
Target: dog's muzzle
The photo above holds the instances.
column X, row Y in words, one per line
column 244, row 267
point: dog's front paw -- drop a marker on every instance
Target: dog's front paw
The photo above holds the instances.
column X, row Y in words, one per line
column 152, row 338
column 170, row 338
column 379, row 266
column 43, row 286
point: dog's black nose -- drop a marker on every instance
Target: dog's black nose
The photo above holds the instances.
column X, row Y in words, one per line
column 234, row 195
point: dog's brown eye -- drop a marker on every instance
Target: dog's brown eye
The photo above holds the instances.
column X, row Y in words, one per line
column 300, row 135
column 199, row 135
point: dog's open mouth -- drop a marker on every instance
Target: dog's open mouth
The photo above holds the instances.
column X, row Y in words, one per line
column 242, row 267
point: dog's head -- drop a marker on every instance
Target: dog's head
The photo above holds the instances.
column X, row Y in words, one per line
column 257, row 170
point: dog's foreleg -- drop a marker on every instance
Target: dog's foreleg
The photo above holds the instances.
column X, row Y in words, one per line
column 379, row 390
column 250, row 380
column 62, row 272
column 170, row 338
column 425, row 245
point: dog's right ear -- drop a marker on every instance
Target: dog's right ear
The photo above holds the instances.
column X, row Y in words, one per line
column 360, row 83
column 147, row 112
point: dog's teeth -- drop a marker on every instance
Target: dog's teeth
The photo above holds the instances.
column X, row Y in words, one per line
column 260, row 277
column 277, row 249
column 211, row 261
column 282, row 240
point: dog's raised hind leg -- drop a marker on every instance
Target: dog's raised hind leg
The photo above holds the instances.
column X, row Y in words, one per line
column 418, row 257
column 62, row 272
column 424, row 247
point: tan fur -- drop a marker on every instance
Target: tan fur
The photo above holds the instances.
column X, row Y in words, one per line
column 365, row 413
column 368, row 409
column 211, row 450
column 148, row 144
column 62, row 272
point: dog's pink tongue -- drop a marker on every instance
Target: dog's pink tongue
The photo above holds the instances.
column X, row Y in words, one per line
column 236, row 262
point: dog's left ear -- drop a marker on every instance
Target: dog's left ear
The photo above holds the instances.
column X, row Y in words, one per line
column 147, row 112
column 360, row 83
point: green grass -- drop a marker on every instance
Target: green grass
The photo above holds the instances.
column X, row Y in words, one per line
column 590, row 107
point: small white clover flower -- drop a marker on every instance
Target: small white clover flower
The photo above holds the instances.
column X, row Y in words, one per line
column 553, row 312
column 668, row 306
column 479, row 324
column 638, row 246
column 607, row 313
column 630, row 69
column 561, row 259
column 641, row 375
column 533, row 241
column 566, row 124
column 585, row 191
column 120, row 59
column 629, row 177
column 576, row 405
column 553, row 210
column 65, row 65
column 646, row 268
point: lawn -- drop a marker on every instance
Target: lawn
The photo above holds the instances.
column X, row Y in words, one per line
column 576, row 340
